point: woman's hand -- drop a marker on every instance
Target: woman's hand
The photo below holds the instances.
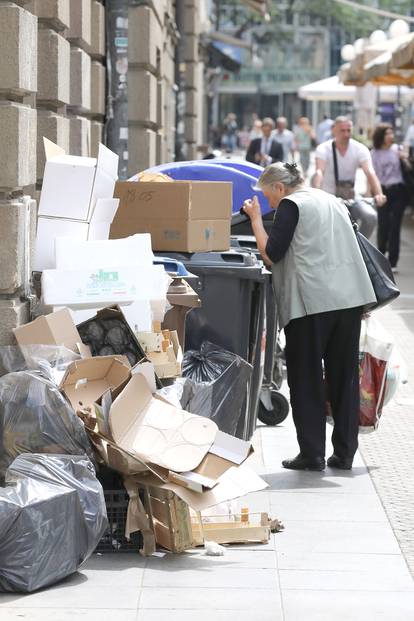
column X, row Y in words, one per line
column 251, row 208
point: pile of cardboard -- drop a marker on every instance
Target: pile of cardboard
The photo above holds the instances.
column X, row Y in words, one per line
column 138, row 433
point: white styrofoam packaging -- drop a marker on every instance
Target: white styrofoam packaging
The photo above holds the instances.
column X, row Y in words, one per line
column 78, row 254
column 104, row 285
column 47, row 230
column 73, row 184
column 72, row 231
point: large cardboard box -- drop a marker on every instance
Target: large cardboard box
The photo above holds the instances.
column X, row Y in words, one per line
column 54, row 329
column 184, row 216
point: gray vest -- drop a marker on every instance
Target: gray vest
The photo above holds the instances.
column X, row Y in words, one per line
column 323, row 269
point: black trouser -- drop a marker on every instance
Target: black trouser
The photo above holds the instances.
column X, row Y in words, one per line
column 389, row 221
column 331, row 340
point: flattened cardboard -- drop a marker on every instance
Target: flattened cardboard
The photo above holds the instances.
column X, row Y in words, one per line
column 226, row 452
column 157, row 431
column 85, row 381
column 187, row 216
column 234, row 483
column 54, row 329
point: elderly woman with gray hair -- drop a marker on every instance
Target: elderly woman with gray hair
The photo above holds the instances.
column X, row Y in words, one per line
column 321, row 284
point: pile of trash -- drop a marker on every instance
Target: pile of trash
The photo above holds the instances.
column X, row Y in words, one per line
column 98, row 388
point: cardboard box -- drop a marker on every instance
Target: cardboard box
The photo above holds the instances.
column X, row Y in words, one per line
column 54, row 329
column 77, row 254
column 72, row 185
column 106, row 319
column 104, row 285
column 186, row 216
column 164, row 351
column 85, row 381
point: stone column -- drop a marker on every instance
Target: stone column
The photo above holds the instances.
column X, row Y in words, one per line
column 18, row 84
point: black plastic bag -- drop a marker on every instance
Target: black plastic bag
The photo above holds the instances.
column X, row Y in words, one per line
column 52, row 516
column 217, row 385
column 36, row 418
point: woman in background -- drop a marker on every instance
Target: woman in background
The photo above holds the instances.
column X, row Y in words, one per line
column 304, row 139
column 386, row 159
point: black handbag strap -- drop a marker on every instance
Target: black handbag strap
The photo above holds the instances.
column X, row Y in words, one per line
column 335, row 161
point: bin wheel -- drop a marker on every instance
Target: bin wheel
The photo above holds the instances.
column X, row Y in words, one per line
column 277, row 414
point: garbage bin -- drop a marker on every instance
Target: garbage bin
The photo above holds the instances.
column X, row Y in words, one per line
column 231, row 286
column 273, row 406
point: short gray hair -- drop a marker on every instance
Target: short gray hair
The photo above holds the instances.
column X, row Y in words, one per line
column 288, row 174
column 342, row 119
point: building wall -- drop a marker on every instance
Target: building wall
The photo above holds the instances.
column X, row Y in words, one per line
column 53, row 85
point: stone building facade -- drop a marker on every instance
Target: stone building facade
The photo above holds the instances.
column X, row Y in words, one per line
column 53, row 64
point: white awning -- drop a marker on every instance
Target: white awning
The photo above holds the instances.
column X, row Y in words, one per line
column 331, row 89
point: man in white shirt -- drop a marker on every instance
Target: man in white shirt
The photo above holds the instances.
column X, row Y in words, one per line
column 350, row 156
column 284, row 137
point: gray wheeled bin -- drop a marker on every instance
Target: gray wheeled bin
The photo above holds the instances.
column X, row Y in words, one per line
column 231, row 286
column 273, row 406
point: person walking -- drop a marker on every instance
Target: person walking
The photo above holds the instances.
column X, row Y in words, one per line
column 349, row 156
column 265, row 150
column 285, row 137
column 230, row 132
column 321, row 284
column 324, row 129
column 256, row 130
column 304, row 141
column 386, row 159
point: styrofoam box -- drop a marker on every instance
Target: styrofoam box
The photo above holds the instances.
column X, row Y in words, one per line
column 104, row 285
column 78, row 254
column 48, row 229
column 73, row 184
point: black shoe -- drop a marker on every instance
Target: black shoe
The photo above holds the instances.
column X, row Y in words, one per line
column 300, row 462
column 342, row 463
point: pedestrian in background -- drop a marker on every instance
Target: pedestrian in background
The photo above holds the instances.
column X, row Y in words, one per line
column 265, row 150
column 386, row 159
column 321, row 284
column 304, row 142
column 350, row 155
column 256, row 130
column 324, row 129
column 230, row 132
column 284, row 137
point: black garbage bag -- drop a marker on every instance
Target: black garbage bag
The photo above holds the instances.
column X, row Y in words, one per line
column 52, row 516
column 217, row 385
column 36, row 418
